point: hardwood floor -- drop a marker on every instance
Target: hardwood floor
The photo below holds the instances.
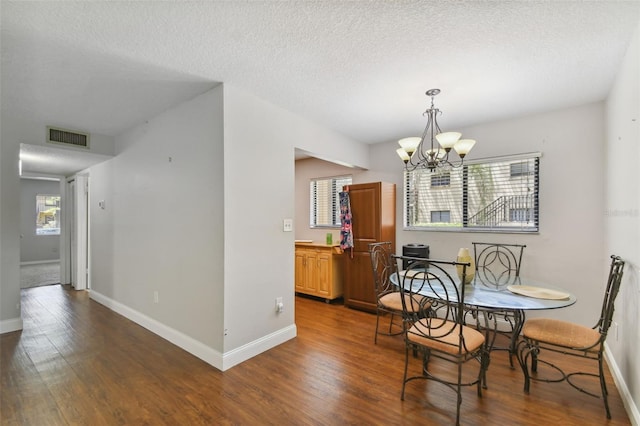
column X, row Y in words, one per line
column 76, row 362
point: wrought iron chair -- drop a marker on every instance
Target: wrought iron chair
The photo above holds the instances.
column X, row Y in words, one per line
column 435, row 325
column 540, row 334
column 387, row 294
column 498, row 266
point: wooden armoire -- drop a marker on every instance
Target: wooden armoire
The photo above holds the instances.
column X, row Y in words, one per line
column 373, row 212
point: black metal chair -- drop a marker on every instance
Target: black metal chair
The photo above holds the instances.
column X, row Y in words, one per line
column 433, row 312
column 388, row 295
column 545, row 334
column 498, row 266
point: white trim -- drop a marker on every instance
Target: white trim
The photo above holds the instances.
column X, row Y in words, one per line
column 37, row 262
column 627, row 399
column 7, row 326
column 207, row 354
column 251, row 349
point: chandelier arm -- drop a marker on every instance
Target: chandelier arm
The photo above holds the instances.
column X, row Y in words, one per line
column 435, row 156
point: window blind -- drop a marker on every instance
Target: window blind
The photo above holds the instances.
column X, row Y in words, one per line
column 495, row 195
column 324, row 206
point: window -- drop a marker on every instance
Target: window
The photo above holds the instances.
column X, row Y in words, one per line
column 440, row 179
column 47, row 214
column 325, row 202
column 495, row 195
column 440, row 216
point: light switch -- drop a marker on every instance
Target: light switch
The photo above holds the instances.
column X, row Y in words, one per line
column 287, row 225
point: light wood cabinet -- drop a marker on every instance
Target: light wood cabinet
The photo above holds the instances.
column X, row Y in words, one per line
column 318, row 270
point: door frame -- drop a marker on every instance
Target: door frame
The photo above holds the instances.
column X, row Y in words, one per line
column 78, row 221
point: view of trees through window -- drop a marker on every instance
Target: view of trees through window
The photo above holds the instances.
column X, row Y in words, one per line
column 47, row 215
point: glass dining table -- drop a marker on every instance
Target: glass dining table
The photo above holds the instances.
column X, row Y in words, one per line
column 515, row 296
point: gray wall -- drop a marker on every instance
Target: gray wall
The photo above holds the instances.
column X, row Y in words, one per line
column 36, row 248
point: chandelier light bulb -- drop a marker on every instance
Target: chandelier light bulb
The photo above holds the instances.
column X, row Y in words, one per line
column 463, row 146
column 448, row 140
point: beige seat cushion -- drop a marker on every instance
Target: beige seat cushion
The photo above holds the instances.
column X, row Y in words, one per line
column 448, row 343
column 394, row 301
column 562, row 333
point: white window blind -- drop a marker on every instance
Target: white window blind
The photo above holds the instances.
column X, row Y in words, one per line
column 324, row 208
column 495, row 195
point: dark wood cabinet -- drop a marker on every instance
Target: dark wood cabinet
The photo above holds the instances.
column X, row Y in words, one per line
column 373, row 212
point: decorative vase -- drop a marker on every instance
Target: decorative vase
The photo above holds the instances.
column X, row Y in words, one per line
column 465, row 257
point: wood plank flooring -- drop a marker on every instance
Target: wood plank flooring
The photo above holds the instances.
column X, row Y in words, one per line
column 76, row 362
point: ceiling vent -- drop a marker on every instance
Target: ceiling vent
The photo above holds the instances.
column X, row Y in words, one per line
column 67, row 137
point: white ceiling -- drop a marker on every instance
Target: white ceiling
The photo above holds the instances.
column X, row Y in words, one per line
column 360, row 68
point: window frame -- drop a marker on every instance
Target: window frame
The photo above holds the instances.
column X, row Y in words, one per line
column 46, row 205
column 332, row 202
column 461, row 188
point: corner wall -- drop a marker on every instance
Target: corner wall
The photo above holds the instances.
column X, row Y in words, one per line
column 157, row 246
column 260, row 139
column 622, row 218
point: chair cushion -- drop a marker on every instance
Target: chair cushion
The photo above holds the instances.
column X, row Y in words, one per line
column 394, row 301
column 561, row 333
column 449, row 343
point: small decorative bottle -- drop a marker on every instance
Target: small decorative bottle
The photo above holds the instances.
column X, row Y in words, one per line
column 465, row 257
column 329, row 239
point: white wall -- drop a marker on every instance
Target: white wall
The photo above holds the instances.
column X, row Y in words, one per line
column 204, row 229
column 36, row 248
column 571, row 233
column 33, row 133
column 9, row 231
column 162, row 227
column 259, row 193
column 622, row 218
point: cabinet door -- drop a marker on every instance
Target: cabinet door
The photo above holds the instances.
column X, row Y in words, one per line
column 359, row 291
column 311, row 279
column 300, row 270
column 324, row 274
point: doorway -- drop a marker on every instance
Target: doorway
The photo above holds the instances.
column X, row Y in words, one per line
column 78, row 231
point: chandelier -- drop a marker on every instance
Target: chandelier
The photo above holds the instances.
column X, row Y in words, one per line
column 424, row 153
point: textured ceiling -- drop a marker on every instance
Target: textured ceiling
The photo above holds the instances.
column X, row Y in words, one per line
column 360, row 68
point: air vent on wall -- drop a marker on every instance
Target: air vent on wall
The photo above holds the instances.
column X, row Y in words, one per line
column 67, row 137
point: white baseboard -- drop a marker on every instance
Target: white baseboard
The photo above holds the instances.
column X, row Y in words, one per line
column 627, row 399
column 207, row 354
column 7, row 326
column 251, row 349
column 37, row 262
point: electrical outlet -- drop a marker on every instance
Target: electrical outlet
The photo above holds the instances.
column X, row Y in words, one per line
column 279, row 305
column 287, row 225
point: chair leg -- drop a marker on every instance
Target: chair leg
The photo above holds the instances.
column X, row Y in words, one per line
column 391, row 324
column 459, row 391
column 406, row 367
column 603, row 386
column 375, row 337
